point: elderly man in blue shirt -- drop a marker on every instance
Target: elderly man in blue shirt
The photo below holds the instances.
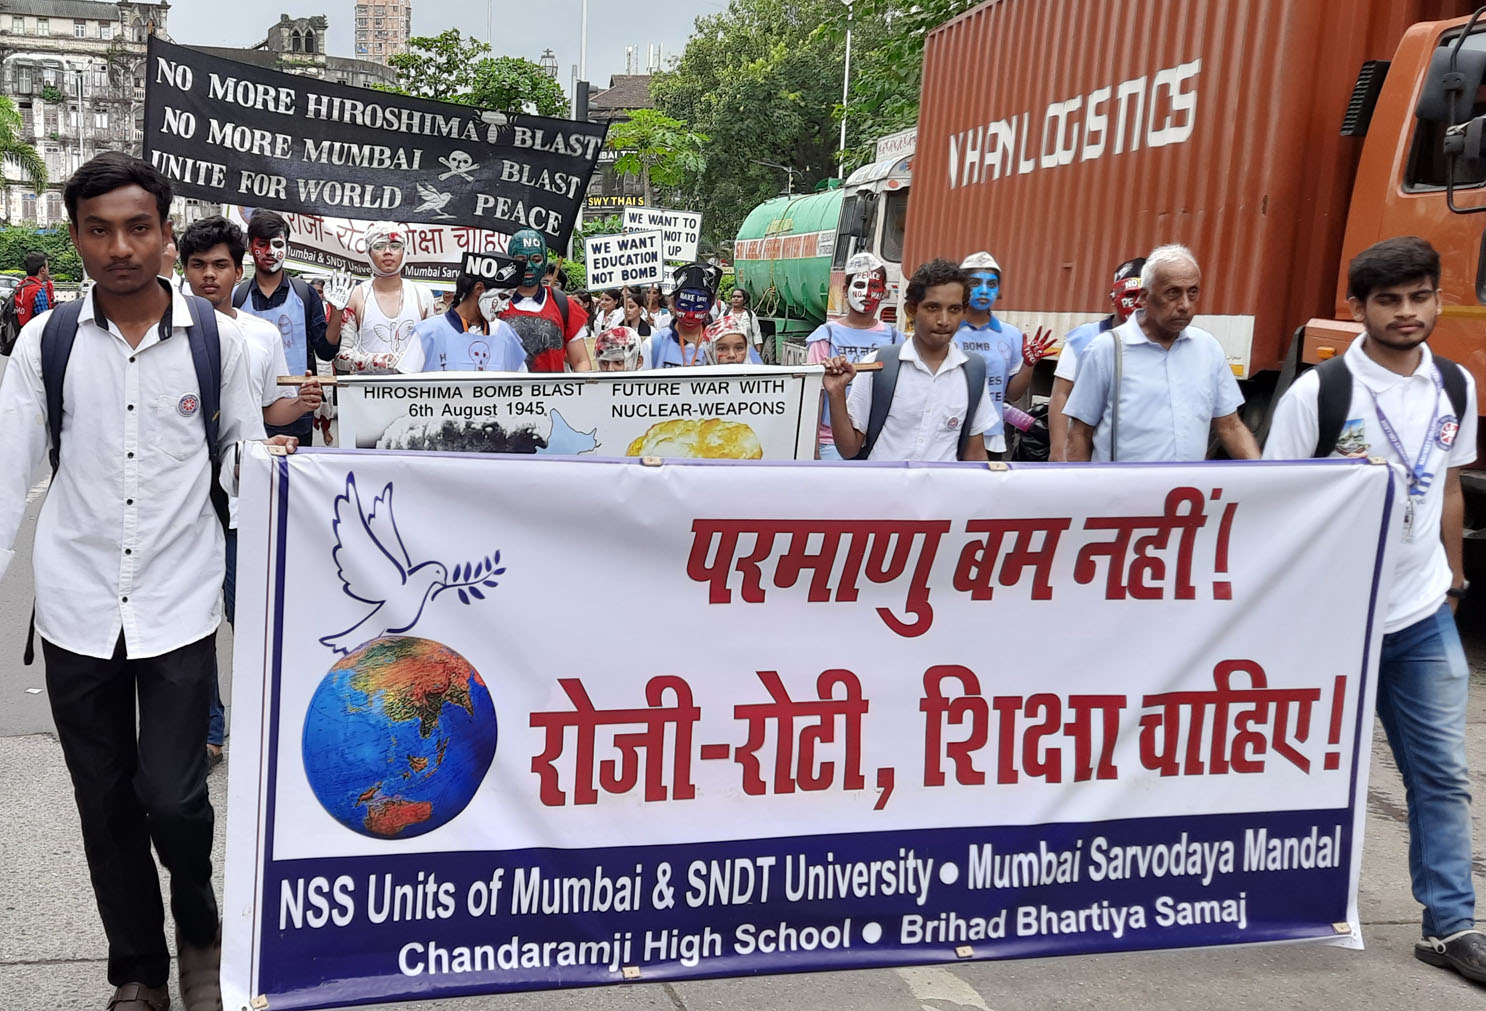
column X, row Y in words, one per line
column 1153, row 387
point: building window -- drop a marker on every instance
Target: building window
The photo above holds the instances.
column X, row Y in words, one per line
column 100, row 119
column 43, row 26
column 105, row 30
column 377, row 48
column 79, row 29
column 28, row 206
column 53, row 206
column 23, row 80
column 18, row 25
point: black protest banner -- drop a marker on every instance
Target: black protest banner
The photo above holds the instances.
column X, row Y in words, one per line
column 235, row 133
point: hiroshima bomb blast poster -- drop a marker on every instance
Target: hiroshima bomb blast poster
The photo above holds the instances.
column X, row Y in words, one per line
column 519, row 723
column 719, row 412
column 237, row 133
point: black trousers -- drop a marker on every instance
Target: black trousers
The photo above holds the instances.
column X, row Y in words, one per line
column 134, row 789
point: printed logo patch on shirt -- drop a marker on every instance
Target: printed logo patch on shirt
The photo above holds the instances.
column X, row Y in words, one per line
column 1446, row 430
column 1353, row 438
column 188, row 405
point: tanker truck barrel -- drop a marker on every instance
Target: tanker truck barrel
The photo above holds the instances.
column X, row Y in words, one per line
column 782, row 258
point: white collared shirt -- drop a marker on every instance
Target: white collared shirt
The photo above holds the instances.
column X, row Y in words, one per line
column 127, row 538
column 264, row 347
column 1423, row 419
column 928, row 408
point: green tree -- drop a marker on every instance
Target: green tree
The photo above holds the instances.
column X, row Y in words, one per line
column 661, row 151
column 16, row 242
column 441, row 66
column 762, row 79
column 509, row 83
column 13, row 147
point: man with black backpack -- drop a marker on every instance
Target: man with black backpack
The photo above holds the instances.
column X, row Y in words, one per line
column 128, row 563
column 929, row 400
column 1389, row 396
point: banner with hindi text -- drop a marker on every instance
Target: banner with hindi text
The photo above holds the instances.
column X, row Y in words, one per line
column 519, row 723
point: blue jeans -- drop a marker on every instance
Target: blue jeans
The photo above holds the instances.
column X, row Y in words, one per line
column 216, row 727
column 1422, row 681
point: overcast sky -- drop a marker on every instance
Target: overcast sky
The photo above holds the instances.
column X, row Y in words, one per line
column 612, row 25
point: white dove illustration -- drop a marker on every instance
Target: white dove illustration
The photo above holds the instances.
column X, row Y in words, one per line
column 433, row 200
column 375, row 569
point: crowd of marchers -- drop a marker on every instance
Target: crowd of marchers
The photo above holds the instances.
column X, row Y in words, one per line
column 138, row 392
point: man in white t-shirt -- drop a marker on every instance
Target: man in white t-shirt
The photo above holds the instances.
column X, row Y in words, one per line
column 211, row 251
column 1389, row 396
column 929, row 416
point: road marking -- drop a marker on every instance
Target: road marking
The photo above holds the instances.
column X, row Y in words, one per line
column 939, row 989
column 38, row 490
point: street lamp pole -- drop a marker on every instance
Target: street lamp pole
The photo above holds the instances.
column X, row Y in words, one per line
column 789, row 175
column 845, row 86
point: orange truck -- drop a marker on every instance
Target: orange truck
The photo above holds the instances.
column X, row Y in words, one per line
column 1276, row 138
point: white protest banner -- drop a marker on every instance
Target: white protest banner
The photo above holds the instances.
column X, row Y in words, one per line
column 431, row 254
column 811, row 716
column 683, row 229
column 616, row 260
column 717, row 412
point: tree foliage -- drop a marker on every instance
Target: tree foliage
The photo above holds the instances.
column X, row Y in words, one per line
column 657, row 149
column 762, row 79
column 451, row 68
column 16, row 242
column 13, row 147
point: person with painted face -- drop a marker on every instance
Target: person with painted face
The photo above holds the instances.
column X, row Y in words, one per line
column 471, row 337
column 681, row 343
column 1124, row 296
column 549, row 323
column 373, row 332
column 1003, row 346
column 288, row 303
column 727, row 344
column 618, row 349
column 854, row 335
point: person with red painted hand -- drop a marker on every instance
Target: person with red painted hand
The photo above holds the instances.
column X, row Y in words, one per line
column 1004, row 347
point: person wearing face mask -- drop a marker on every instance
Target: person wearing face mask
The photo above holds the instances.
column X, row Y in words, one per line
column 1004, row 347
column 549, row 323
column 680, row 344
column 373, row 331
column 471, row 337
column 1123, row 296
column 855, row 335
column 289, row 303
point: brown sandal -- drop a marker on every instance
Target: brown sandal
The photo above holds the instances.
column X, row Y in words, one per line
column 138, row 997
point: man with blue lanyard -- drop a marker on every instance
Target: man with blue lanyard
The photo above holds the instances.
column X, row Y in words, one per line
column 1002, row 345
column 1388, row 395
column 471, row 337
column 680, row 344
column 290, row 304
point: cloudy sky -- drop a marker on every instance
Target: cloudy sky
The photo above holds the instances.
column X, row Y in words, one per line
column 612, row 25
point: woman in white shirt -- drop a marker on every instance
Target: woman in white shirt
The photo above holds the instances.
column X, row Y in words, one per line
column 610, row 314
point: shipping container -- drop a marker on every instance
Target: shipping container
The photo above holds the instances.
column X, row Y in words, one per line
column 1065, row 138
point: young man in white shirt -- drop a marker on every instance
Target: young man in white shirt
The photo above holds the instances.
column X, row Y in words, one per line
column 1398, row 405
column 1154, row 387
column 211, row 252
column 931, row 399
column 128, row 573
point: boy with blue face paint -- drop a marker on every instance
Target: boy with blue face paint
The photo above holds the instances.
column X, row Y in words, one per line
column 1004, row 347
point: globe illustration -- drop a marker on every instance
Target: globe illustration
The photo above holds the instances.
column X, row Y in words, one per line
column 398, row 737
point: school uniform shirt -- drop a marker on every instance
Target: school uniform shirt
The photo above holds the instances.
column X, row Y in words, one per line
column 127, row 538
column 835, row 339
column 449, row 347
column 928, row 408
column 1168, row 398
column 664, row 349
column 1000, row 345
column 264, row 350
column 1074, row 344
column 537, row 320
column 1423, row 419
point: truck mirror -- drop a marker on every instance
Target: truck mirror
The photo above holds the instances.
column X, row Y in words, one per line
column 861, row 214
column 1449, row 97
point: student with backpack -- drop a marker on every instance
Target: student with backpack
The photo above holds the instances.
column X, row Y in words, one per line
column 35, row 294
column 929, row 400
column 1388, row 395
column 128, row 563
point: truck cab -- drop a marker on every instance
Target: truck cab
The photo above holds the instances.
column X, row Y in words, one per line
column 874, row 217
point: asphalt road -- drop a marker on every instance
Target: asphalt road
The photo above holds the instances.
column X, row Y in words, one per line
column 52, row 946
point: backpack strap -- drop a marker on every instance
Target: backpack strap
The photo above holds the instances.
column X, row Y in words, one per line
column 562, row 309
column 1453, row 378
column 1333, row 400
column 240, row 293
column 1114, row 409
column 206, row 357
column 57, row 335
column 301, row 288
column 884, row 385
column 975, row 388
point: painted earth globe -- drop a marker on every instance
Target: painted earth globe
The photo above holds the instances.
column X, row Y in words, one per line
column 398, row 737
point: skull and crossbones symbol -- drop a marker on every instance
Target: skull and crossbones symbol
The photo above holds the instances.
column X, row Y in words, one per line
column 480, row 355
column 458, row 164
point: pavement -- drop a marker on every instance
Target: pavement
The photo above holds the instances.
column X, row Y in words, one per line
column 52, row 949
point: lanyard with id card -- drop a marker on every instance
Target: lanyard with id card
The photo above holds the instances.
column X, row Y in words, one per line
column 1419, row 481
